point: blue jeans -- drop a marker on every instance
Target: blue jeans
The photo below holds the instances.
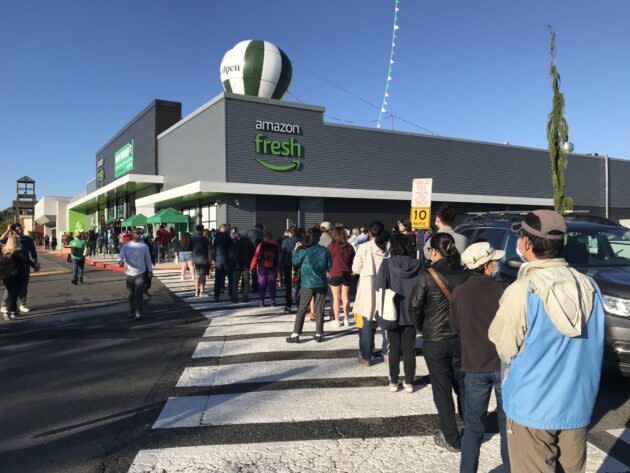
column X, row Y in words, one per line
column 385, row 343
column 478, row 387
column 366, row 339
column 77, row 269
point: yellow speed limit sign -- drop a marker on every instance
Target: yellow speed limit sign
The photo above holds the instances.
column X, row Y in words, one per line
column 420, row 218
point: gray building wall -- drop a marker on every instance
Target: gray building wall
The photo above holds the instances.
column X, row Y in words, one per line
column 243, row 215
column 195, row 149
column 311, row 211
column 143, row 129
column 366, row 158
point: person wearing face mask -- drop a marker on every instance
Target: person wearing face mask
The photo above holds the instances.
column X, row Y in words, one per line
column 430, row 305
column 549, row 331
column 473, row 306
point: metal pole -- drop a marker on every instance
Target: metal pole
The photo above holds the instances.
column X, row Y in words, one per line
column 607, row 182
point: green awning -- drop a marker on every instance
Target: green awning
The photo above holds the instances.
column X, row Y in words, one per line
column 168, row 216
column 135, row 221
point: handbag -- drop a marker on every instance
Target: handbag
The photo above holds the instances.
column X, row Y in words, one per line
column 440, row 284
column 387, row 309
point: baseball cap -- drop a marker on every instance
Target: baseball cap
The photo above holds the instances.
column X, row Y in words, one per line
column 546, row 224
column 138, row 230
column 478, row 254
column 325, row 226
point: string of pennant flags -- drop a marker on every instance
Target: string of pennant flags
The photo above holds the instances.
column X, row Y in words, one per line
column 390, row 67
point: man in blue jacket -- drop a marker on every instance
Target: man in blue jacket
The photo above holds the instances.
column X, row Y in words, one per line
column 549, row 332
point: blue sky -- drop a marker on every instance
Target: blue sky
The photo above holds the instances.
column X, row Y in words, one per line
column 72, row 73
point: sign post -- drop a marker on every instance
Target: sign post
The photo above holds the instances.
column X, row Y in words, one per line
column 421, row 204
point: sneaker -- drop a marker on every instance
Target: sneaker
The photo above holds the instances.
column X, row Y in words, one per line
column 408, row 387
column 138, row 316
column 386, row 359
column 318, row 338
column 182, row 278
column 440, row 441
column 394, row 387
column 196, row 293
column 261, row 304
column 4, row 309
column 273, row 304
column 334, row 323
column 346, row 322
column 24, row 308
column 311, row 316
column 363, row 362
column 287, row 310
column 73, row 282
column 293, row 339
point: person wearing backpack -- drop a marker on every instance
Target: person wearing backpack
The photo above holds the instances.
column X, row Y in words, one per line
column 265, row 263
column 430, row 305
column 399, row 274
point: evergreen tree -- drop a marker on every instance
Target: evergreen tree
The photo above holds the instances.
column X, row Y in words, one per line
column 557, row 135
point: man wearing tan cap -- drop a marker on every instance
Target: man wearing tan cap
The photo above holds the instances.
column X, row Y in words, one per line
column 549, row 330
column 473, row 307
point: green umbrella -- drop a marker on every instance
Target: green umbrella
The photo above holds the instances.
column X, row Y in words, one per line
column 167, row 216
column 135, row 221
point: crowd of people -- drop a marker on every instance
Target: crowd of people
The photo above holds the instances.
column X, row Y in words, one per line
column 538, row 343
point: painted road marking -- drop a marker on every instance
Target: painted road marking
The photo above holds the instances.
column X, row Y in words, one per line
column 286, row 370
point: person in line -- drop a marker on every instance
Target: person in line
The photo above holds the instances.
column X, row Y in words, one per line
column 549, row 331
column 241, row 255
column 441, row 348
column 221, row 247
column 367, row 263
column 473, row 306
column 286, row 265
column 400, row 273
column 354, row 236
column 135, row 257
column 265, row 264
column 326, row 238
column 342, row 255
column 126, row 237
column 185, row 256
column 69, row 239
column 163, row 239
column 12, row 267
column 29, row 258
column 173, row 242
column 78, row 254
column 314, row 261
column 444, row 220
column 255, row 235
column 91, row 243
column 47, row 242
column 53, row 243
column 201, row 259
column 364, row 236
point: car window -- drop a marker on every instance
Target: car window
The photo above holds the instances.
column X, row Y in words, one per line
column 495, row 236
column 599, row 248
column 468, row 233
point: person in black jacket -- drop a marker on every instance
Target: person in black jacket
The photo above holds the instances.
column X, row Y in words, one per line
column 286, row 266
column 431, row 308
column 29, row 260
column 399, row 273
column 241, row 255
column 221, row 248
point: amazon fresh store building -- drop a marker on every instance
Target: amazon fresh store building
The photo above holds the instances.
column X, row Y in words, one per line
column 243, row 160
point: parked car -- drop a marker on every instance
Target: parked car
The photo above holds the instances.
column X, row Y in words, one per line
column 594, row 246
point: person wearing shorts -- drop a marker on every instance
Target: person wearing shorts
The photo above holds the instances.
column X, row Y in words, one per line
column 340, row 275
column 201, row 259
column 185, row 256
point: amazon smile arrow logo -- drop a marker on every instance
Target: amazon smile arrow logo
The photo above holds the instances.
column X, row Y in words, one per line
column 287, row 167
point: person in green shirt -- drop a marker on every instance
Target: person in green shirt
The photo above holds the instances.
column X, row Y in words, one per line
column 79, row 252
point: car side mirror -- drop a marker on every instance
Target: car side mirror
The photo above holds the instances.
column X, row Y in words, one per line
column 513, row 264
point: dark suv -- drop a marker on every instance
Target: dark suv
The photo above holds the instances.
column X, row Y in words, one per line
column 594, row 246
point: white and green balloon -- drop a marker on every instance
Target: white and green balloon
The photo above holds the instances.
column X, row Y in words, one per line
column 257, row 68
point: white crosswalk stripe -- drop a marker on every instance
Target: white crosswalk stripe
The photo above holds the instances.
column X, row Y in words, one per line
column 243, row 375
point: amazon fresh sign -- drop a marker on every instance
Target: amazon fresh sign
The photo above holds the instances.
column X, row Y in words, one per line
column 278, row 155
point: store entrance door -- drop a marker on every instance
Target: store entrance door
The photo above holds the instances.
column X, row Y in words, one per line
column 274, row 212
